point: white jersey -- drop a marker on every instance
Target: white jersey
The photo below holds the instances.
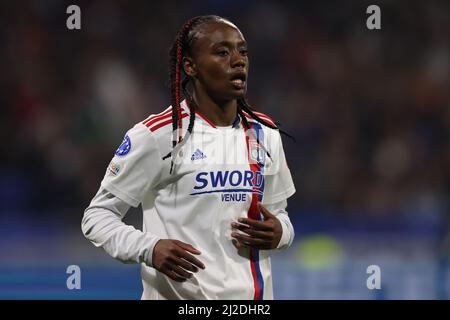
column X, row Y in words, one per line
column 219, row 175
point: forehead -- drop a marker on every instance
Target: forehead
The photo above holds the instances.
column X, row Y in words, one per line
column 214, row 32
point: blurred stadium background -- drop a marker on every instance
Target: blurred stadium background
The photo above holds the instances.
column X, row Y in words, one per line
column 370, row 111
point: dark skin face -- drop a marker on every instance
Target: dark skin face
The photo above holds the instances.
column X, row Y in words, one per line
column 219, row 66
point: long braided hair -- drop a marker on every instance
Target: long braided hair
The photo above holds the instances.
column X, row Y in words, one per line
column 181, row 48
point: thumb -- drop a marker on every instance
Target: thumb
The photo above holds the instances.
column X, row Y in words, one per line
column 266, row 213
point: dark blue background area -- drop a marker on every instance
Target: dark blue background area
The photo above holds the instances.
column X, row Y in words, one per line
column 35, row 258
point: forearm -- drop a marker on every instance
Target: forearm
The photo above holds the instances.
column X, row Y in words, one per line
column 102, row 225
column 278, row 209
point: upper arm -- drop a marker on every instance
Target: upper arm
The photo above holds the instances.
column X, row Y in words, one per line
column 135, row 167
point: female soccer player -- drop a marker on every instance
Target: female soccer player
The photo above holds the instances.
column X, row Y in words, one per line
column 201, row 170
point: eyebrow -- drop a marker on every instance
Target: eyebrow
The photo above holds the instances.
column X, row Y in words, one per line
column 228, row 43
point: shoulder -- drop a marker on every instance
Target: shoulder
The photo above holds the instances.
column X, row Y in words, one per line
column 262, row 116
column 271, row 136
column 161, row 123
column 155, row 131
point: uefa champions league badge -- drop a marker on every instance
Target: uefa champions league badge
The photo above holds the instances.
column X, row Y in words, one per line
column 125, row 147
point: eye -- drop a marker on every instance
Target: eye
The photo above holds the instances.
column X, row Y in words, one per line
column 244, row 52
column 222, row 53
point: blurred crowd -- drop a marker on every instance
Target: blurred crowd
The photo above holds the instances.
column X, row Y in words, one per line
column 370, row 109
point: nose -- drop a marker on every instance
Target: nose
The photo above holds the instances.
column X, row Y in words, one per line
column 238, row 60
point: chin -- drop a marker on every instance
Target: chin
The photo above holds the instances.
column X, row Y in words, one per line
column 239, row 94
column 231, row 95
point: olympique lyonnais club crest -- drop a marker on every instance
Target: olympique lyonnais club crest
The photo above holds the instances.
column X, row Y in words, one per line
column 257, row 154
column 125, row 147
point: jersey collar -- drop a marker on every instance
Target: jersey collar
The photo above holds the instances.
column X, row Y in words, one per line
column 236, row 121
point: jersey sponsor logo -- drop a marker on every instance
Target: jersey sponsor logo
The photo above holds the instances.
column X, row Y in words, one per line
column 125, row 147
column 234, row 185
column 197, row 155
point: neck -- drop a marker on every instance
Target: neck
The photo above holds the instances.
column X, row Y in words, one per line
column 221, row 113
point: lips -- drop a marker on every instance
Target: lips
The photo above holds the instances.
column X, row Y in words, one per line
column 238, row 80
column 238, row 83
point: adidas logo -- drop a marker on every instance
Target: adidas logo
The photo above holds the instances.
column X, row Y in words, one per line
column 197, row 155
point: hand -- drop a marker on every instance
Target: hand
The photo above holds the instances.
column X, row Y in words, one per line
column 263, row 235
column 172, row 258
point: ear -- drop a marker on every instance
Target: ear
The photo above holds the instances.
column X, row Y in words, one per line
column 189, row 66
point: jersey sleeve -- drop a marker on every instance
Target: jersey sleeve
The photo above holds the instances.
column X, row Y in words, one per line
column 135, row 167
column 102, row 225
column 279, row 210
column 278, row 185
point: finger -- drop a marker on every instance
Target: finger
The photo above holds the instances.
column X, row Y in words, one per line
column 181, row 272
column 174, row 276
column 266, row 213
column 184, row 264
column 186, row 256
column 249, row 240
column 255, row 224
column 268, row 235
column 187, row 247
column 242, row 245
column 236, row 243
